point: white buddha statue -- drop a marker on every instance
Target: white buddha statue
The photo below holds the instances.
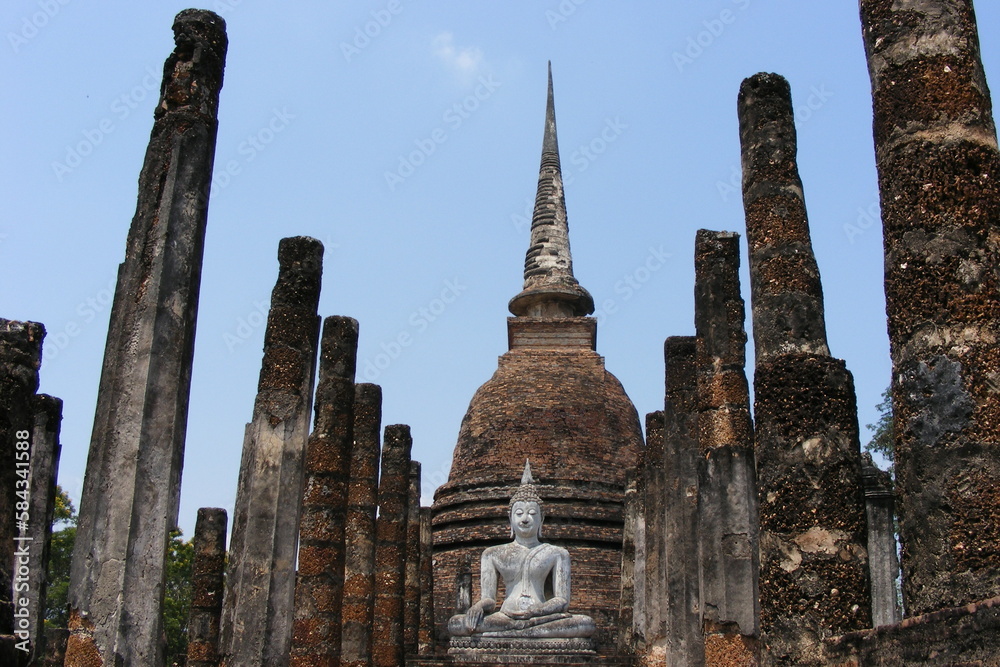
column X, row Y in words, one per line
column 526, row 565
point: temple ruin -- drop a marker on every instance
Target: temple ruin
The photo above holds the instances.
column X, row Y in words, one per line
column 723, row 533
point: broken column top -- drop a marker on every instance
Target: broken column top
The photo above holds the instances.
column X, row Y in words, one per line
column 719, row 309
column 300, row 268
column 338, row 347
column 21, row 343
column 924, row 48
column 768, row 138
column 550, row 289
column 877, row 482
column 292, row 320
column 192, row 75
column 680, row 354
column 788, row 316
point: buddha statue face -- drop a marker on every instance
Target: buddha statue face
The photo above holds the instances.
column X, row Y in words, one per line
column 526, row 519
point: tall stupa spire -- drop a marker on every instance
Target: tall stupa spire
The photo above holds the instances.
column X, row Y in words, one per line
column 550, row 290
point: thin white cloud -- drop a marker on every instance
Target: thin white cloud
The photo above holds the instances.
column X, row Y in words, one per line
column 463, row 59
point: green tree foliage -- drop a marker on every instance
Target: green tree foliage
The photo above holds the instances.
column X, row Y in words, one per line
column 60, row 555
column 882, row 430
column 64, row 512
column 177, row 597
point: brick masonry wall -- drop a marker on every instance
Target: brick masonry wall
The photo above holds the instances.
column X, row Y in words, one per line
column 968, row 635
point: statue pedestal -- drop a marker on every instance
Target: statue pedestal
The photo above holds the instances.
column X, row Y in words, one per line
column 528, row 650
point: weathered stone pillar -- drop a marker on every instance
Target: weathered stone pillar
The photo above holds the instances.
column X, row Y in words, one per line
column 319, row 584
column 939, row 178
column 411, row 577
column 640, row 541
column 359, row 537
column 685, row 643
column 627, row 643
column 813, row 532
column 208, row 575
column 425, row 637
column 132, row 485
column 883, row 563
column 20, row 358
column 390, row 547
column 727, row 485
column 45, row 452
column 655, row 516
column 787, row 297
column 260, row 584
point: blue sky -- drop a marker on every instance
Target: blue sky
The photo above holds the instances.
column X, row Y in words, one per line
column 406, row 136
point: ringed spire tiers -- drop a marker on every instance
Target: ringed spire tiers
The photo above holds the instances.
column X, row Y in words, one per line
column 550, row 289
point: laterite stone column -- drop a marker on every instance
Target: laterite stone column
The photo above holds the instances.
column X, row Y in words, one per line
column 640, row 541
column 45, row 454
column 208, row 575
column 685, row 644
column 425, row 636
column 359, row 535
column 411, row 579
column 390, row 547
column 20, row 359
column 628, row 637
column 813, row 531
column 880, row 504
column 654, row 572
column 939, row 178
column 319, row 586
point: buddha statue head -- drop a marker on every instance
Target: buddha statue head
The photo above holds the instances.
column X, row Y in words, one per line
column 525, row 513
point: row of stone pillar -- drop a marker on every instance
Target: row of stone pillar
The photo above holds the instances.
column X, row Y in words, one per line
column 270, row 612
column 696, row 551
column 754, row 541
column 312, row 577
column 344, row 445
column 827, row 557
column 29, row 459
column 938, row 160
column 824, row 570
column 335, row 596
column 937, row 156
column 357, row 582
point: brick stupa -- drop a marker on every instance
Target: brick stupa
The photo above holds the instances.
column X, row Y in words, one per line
column 552, row 400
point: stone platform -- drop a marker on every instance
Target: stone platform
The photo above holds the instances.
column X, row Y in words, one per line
column 518, row 650
column 578, row 661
